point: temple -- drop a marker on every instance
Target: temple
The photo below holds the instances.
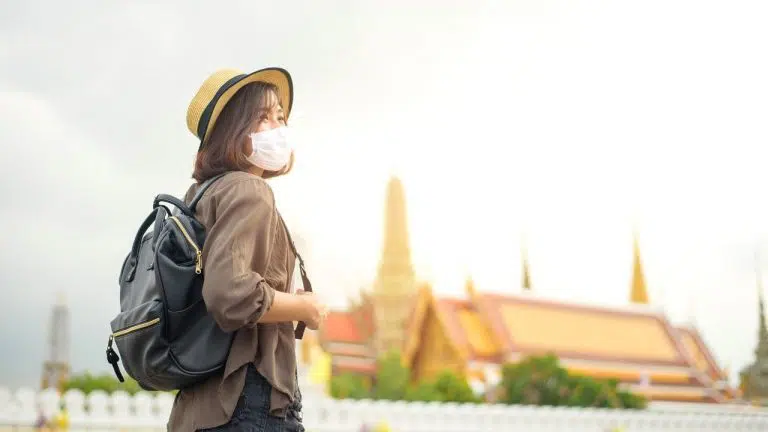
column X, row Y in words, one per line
column 476, row 334
column 754, row 377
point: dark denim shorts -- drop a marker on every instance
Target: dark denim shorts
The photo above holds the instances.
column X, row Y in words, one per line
column 252, row 411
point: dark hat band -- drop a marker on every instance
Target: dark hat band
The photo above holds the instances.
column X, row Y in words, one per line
column 202, row 126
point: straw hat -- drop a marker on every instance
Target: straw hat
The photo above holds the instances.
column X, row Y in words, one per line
column 219, row 88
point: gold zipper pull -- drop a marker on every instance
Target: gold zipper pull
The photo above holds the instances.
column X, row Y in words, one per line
column 199, row 263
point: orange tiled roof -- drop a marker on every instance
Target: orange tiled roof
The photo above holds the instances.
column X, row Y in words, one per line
column 621, row 343
column 420, row 303
column 530, row 325
column 356, row 325
column 364, row 317
column 341, row 327
column 700, row 355
column 355, row 368
column 463, row 326
column 423, row 301
column 681, row 394
column 348, row 350
column 630, row 373
column 467, row 329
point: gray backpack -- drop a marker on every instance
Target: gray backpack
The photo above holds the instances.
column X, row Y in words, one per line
column 166, row 336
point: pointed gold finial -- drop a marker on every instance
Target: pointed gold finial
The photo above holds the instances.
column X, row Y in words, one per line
column 758, row 277
column 639, row 290
column 526, row 275
column 762, row 344
column 526, row 271
column 469, row 287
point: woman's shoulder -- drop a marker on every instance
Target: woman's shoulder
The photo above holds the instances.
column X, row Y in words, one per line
column 241, row 186
column 241, row 178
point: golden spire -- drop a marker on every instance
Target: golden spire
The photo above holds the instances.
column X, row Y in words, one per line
column 395, row 285
column 526, row 274
column 396, row 251
column 761, row 352
column 526, row 271
column 639, row 291
column 469, row 287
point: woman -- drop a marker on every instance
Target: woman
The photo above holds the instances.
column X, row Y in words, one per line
column 248, row 256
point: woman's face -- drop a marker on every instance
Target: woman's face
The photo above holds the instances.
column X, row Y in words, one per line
column 266, row 119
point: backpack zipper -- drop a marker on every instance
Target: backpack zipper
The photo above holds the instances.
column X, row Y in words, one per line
column 134, row 328
column 199, row 254
column 112, row 356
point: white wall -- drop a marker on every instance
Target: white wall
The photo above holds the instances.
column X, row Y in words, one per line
column 146, row 411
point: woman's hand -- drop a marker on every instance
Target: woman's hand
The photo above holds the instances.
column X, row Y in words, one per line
column 314, row 310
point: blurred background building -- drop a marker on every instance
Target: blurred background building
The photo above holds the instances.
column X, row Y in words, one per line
column 635, row 344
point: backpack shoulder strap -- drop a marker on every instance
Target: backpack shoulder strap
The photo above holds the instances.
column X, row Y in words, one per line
column 201, row 190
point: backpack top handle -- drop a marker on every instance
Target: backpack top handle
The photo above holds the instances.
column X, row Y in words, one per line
column 170, row 199
column 203, row 187
column 133, row 256
column 188, row 210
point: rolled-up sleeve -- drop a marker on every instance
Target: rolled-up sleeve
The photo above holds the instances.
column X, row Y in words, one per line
column 236, row 252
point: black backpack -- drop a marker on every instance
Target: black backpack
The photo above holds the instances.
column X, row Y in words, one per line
column 163, row 331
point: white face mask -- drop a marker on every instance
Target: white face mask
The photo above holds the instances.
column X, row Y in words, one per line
column 271, row 149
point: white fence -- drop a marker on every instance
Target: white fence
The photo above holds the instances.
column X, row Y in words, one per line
column 147, row 411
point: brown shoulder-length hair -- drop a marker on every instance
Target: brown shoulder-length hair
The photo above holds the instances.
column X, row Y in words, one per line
column 223, row 150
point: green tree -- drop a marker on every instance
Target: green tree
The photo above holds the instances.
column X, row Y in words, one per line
column 392, row 377
column 350, row 386
column 86, row 382
column 423, row 392
column 393, row 382
column 542, row 381
column 445, row 387
column 631, row 401
column 535, row 381
column 453, row 388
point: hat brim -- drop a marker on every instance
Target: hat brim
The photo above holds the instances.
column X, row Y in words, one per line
column 278, row 77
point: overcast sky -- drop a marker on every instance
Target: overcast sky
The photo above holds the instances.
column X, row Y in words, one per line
column 568, row 122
